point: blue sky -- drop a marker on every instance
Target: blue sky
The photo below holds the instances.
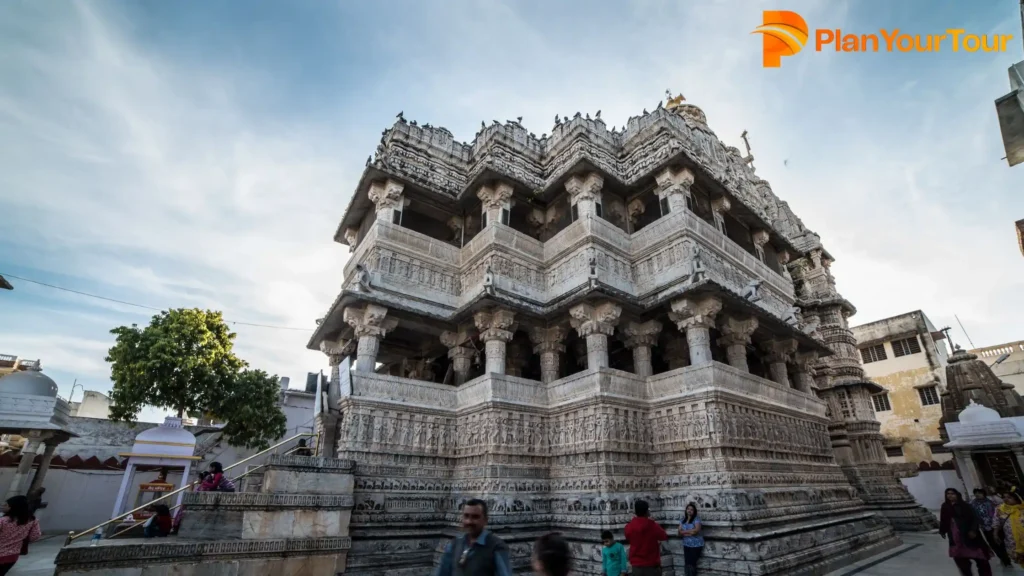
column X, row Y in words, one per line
column 201, row 154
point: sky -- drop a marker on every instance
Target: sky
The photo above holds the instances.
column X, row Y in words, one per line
column 201, row 154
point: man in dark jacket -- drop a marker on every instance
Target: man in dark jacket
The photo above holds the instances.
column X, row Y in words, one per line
column 645, row 537
column 477, row 552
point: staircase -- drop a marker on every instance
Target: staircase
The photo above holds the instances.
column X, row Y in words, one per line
column 296, row 524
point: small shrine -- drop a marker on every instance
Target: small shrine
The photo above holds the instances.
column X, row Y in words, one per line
column 988, row 448
column 169, row 451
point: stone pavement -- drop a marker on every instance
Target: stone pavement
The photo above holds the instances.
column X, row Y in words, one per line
column 921, row 553
column 39, row 561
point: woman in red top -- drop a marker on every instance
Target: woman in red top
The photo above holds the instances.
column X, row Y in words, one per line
column 17, row 528
column 212, row 481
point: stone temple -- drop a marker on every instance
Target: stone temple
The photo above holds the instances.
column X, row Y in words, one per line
column 566, row 324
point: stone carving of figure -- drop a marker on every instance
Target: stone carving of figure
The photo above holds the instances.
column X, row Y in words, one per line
column 362, row 278
column 792, row 316
column 696, row 265
column 488, row 276
column 750, row 290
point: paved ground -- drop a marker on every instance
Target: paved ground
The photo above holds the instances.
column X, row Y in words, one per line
column 921, row 554
column 39, row 561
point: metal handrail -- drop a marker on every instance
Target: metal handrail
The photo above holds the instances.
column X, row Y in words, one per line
column 72, row 536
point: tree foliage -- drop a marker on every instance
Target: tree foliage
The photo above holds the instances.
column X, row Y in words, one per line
column 183, row 361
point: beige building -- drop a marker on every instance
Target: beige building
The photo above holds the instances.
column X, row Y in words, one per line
column 905, row 355
column 93, row 405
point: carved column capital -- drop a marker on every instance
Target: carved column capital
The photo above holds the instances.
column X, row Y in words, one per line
column 336, row 351
column 737, row 330
column 695, row 312
column 549, row 339
column 804, row 360
column 642, row 334
column 351, row 236
column 387, row 194
column 495, row 196
column 721, row 205
column 635, row 209
column 496, row 324
column 759, row 237
column 590, row 319
column 674, row 181
column 778, row 350
column 452, row 339
column 584, row 187
column 370, row 320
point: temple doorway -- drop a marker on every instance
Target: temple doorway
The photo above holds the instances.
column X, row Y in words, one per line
column 998, row 469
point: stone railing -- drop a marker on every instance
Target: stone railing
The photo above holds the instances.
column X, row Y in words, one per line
column 602, row 382
column 501, row 388
column 692, row 379
column 404, row 391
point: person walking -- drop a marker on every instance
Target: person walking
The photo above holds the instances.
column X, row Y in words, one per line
column 985, row 511
column 613, row 556
column 1009, row 526
column 693, row 542
column 551, row 556
column 959, row 525
column 17, row 529
column 476, row 552
column 644, row 537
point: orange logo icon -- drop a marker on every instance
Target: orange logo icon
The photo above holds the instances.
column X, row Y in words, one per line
column 784, row 33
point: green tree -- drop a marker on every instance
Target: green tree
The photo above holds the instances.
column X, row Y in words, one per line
column 183, row 361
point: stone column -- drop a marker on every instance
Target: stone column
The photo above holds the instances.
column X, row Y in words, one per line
column 549, row 343
column 496, row 328
column 736, row 333
column 19, row 483
column 387, row 197
column 580, row 350
column 516, row 357
column 719, row 206
column 677, row 352
column 44, row 466
column 640, row 337
column 777, row 353
column 675, row 186
column 493, row 199
column 760, row 238
column 784, row 258
column 696, row 316
column 370, row 324
column 584, row 193
column 596, row 323
column 461, row 356
column 802, row 362
column 968, row 471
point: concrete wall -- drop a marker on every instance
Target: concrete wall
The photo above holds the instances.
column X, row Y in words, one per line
column 76, row 499
column 93, row 405
column 929, row 488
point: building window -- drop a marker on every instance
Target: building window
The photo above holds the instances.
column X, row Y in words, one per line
column 663, row 204
column 894, row 451
column 929, row 395
column 575, row 213
column 881, row 402
column 871, row 354
column 505, row 216
column 396, row 217
column 598, row 210
column 905, row 347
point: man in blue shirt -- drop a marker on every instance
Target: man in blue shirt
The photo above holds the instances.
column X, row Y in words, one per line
column 477, row 552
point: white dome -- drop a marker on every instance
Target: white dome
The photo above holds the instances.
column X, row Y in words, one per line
column 30, row 382
column 168, row 439
column 977, row 413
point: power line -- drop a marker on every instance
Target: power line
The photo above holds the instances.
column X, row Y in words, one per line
column 115, row 300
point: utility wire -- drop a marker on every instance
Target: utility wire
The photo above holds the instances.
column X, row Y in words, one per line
column 115, row 300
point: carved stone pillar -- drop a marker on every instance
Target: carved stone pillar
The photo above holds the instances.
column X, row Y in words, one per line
column 736, row 333
column 336, row 353
column 760, row 238
column 674, row 185
column 516, row 357
column 719, row 206
column 696, row 317
column 370, row 324
column 461, row 356
column 784, row 258
column 496, row 328
column 387, row 197
column 494, row 199
column 677, row 352
column 596, row 324
column 549, row 343
column 802, row 372
column 640, row 338
column 777, row 353
column 19, row 484
column 584, row 193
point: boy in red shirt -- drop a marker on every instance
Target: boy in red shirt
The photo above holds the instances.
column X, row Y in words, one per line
column 645, row 537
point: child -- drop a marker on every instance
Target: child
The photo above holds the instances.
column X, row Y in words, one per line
column 613, row 556
column 551, row 556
